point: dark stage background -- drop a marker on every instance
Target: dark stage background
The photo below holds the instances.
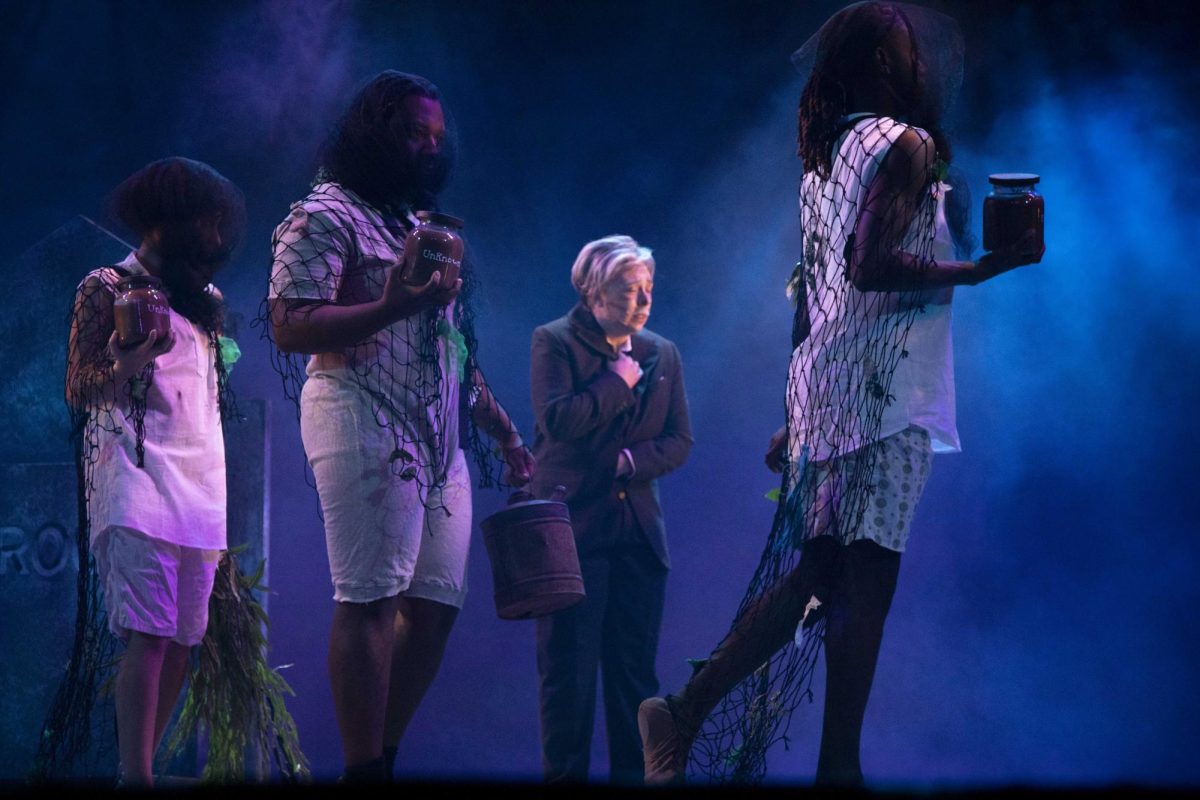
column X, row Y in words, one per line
column 1045, row 630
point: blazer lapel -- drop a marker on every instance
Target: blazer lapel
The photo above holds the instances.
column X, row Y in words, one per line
column 591, row 335
column 588, row 331
column 647, row 358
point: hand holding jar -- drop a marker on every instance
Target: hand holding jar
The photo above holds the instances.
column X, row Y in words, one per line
column 402, row 298
column 1013, row 224
column 129, row 361
column 141, row 325
column 140, row 309
column 434, row 245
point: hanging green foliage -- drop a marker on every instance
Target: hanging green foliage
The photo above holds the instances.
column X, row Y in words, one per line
column 230, row 352
column 234, row 697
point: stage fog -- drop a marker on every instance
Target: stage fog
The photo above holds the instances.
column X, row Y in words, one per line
column 1044, row 631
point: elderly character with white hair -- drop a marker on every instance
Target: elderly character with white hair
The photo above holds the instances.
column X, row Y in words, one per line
column 611, row 417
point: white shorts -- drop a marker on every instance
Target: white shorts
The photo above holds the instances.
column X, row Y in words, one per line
column 884, row 508
column 154, row 587
column 381, row 539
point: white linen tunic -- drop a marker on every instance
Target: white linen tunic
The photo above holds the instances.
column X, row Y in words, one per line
column 831, row 367
column 179, row 495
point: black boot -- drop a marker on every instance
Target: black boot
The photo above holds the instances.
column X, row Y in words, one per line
column 669, row 725
column 853, row 632
column 373, row 771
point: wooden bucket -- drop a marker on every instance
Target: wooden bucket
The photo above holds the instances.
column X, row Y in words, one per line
column 534, row 564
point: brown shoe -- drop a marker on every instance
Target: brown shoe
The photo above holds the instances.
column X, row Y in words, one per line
column 664, row 750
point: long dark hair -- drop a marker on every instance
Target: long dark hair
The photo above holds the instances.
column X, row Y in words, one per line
column 844, row 50
column 363, row 151
column 845, row 46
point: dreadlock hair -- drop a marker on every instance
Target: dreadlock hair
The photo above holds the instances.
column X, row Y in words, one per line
column 846, row 44
column 173, row 194
column 843, row 52
column 364, row 147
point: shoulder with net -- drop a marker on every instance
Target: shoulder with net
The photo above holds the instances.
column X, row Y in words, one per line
column 103, row 278
column 877, row 135
column 321, row 211
column 332, row 210
column 911, row 152
column 878, row 145
column 325, row 219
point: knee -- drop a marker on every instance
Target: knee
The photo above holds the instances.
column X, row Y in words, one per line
column 372, row 616
column 428, row 624
column 145, row 650
column 177, row 652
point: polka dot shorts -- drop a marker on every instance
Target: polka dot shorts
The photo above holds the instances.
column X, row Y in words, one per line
column 834, row 496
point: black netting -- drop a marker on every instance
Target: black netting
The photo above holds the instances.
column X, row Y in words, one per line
column 852, row 322
column 72, row 740
column 872, row 217
column 83, row 701
column 420, row 374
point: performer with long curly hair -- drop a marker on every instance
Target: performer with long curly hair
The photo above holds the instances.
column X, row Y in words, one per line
column 392, row 373
column 870, row 398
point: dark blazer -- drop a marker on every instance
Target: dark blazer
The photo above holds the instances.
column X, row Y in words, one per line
column 585, row 415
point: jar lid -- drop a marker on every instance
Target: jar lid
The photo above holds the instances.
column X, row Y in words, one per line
column 439, row 218
column 1013, row 179
column 138, row 282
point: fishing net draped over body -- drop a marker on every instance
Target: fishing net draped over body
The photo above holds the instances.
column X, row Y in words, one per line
column 83, row 702
column 75, row 738
column 844, row 429
column 419, row 375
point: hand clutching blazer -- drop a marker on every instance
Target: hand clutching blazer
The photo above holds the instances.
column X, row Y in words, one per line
column 585, row 415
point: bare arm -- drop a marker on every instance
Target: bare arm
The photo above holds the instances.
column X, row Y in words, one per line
column 874, row 260
column 490, row 416
column 219, row 296
column 308, row 326
column 492, row 419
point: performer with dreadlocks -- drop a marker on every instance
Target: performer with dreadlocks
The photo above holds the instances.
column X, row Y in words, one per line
column 870, row 397
column 381, row 407
column 152, row 455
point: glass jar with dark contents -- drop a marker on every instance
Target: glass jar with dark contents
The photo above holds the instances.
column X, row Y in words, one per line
column 435, row 245
column 1012, row 208
column 141, row 306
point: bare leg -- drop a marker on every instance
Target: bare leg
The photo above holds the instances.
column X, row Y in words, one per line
column 137, row 694
column 853, row 633
column 360, row 656
column 669, row 725
column 174, row 671
column 421, row 631
column 762, row 629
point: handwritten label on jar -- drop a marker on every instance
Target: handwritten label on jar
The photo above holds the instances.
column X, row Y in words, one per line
column 140, row 307
column 435, row 245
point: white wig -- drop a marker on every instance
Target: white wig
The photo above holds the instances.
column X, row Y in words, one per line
column 604, row 259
